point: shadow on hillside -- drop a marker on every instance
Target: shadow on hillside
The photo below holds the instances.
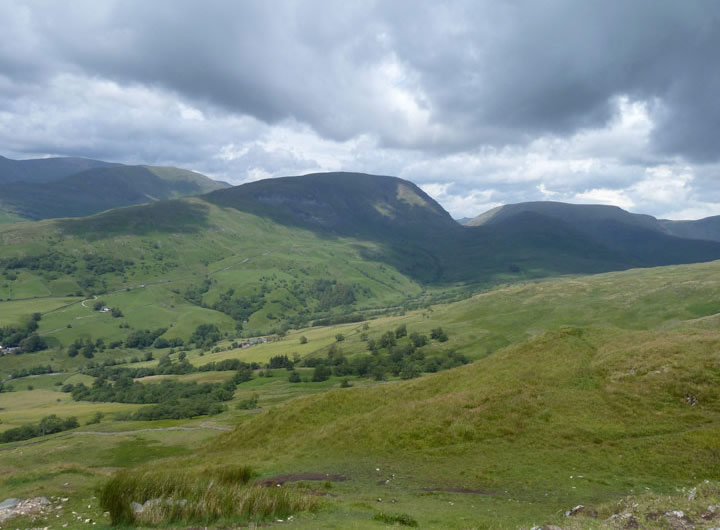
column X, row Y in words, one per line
column 161, row 216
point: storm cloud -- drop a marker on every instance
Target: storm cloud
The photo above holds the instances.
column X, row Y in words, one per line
column 480, row 102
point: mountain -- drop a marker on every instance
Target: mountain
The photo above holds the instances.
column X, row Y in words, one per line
column 348, row 204
column 45, row 169
column 597, row 220
column 422, row 240
column 707, row 228
column 94, row 190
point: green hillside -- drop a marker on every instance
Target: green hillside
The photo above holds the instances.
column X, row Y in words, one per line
column 284, row 253
column 582, row 391
column 580, row 409
column 94, row 190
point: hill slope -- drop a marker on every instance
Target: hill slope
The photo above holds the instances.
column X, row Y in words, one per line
column 95, row 190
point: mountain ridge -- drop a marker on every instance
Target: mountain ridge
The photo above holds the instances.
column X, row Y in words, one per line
column 101, row 188
column 588, row 218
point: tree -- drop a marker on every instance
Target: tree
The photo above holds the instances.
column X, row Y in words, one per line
column 387, row 340
column 339, row 337
column 294, row 377
column 439, row 335
column 321, row 373
column 303, row 340
column 400, row 331
column 32, row 343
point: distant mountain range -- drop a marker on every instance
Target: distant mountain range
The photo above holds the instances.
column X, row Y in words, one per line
column 74, row 187
column 601, row 222
column 407, row 228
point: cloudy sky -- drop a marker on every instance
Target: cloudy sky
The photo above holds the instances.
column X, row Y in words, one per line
column 480, row 102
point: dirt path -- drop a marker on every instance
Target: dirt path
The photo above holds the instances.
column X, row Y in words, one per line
column 88, row 300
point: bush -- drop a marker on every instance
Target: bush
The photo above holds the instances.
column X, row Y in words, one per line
column 439, row 335
column 294, row 377
column 321, row 373
column 248, row 404
column 303, row 340
column 395, row 518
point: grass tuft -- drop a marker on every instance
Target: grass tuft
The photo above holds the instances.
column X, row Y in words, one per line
column 197, row 495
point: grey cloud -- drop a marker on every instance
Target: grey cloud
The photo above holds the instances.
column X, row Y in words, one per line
column 487, row 73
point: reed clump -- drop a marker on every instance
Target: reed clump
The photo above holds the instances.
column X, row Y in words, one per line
column 198, row 495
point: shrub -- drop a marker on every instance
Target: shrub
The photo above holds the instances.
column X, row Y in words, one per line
column 248, row 404
column 321, row 373
column 439, row 335
column 396, row 518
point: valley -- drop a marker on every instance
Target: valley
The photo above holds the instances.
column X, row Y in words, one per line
column 334, row 350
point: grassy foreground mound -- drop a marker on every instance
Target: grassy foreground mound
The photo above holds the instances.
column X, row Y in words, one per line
column 574, row 416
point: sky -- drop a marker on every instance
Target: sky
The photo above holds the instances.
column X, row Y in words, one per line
column 479, row 102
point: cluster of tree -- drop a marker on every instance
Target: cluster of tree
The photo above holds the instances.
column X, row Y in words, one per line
column 170, row 399
column 100, row 264
column 227, row 365
column 240, row 308
column 86, row 347
column 205, row 335
column 180, row 408
column 166, row 366
column 5, row 387
column 194, row 293
column 24, row 337
column 34, row 370
column 48, row 425
column 339, row 319
column 50, row 262
column 161, row 343
column 143, row 338
column 331, row 293
column 125, row 390
column 388, row 355
column 281, row 361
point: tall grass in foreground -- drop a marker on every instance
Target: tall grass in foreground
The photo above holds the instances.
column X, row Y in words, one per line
column 196, row 495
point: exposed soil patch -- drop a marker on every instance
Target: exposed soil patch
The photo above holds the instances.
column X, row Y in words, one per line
column 459, row 490
column 282, row 479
